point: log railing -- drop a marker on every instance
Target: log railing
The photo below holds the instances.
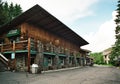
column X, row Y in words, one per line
column 21, row 45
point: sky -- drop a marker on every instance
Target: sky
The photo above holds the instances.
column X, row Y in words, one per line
column 93, row 20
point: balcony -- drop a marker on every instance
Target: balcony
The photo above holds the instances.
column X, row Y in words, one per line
column 23, row 45
column 30, row 44
column 52, row 49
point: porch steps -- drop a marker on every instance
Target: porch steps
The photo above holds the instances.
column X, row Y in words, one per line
column 3, row 62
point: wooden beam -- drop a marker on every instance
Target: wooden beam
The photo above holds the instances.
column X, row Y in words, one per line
column 2, row 48
column 13, row 46
column 29, row 55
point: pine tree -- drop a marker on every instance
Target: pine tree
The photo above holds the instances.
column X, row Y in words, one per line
column 18, row 10
column 2, row 13
column 115, row 54
column 8, row 12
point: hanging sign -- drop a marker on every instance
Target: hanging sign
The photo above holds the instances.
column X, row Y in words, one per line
column 13, row 56
column 13, row 33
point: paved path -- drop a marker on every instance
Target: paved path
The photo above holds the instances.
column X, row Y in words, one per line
column 86, row 75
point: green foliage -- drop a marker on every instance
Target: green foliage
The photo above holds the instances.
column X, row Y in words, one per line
column 116, row 49
column 8, row 12
column 2, row 14
column 98, row 58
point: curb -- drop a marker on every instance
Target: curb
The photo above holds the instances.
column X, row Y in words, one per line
column 64, row 69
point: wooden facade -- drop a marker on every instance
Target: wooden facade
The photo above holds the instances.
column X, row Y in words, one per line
column 27, row 42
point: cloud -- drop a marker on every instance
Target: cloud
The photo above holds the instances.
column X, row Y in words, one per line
column 65, row 10
column 103, row 38
column 69, row 10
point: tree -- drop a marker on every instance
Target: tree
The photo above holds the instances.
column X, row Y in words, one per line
column 98, row 58
column 18, row 10
column 116, row 48
column 8, row 12
column 2, row 15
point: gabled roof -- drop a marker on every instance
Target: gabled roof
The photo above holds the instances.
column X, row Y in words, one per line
column 41, row 18
column 107, row 51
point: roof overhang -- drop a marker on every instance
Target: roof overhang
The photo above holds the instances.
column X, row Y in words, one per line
column 85, row 50
column 39, row 17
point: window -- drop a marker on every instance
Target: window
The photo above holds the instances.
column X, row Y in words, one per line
column 49, row 61
column 16, row 39
column 1, row 41
column 62, row 61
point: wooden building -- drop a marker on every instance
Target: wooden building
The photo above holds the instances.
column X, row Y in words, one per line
column 37, row 37
column 87, row 60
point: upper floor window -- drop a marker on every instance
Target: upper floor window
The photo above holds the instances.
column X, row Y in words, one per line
column 1, row 40
column 16, row 39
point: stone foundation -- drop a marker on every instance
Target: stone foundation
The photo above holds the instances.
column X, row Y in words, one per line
column 20, row 63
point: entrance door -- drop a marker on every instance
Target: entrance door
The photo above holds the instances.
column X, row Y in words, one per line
column 45, row 61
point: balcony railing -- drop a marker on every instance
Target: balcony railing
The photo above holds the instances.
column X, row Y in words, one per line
column 53, row 49
column 21, row 45
column 24, row 45
column 49, row 48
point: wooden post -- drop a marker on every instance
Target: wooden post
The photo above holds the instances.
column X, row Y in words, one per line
column 2, row 48
column 13, row 57
column 13, row 46
column 29, row 54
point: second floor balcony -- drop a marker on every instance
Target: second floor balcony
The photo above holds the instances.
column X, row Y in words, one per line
column 30, row 44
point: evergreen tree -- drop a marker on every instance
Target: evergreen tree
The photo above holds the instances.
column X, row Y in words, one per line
column 2, row 13
column 8, row 12
column 116, row 48
column 18, row 10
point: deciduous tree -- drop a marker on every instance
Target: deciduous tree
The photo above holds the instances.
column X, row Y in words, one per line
column 98, row 58
column 115, row 54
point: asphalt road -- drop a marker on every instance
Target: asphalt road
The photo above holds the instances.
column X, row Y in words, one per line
column 86, row 75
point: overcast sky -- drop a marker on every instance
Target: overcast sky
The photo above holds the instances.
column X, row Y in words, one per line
column 91, row 19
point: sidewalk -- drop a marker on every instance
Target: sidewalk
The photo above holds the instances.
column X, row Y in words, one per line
column 63, row 69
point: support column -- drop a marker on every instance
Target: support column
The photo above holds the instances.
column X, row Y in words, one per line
column 29, row 55
column 39, row 56
column 56, row 59
column 13, row 61
column 83, row 61
column 74, row 59
column 67, row 58
column 56, row 62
